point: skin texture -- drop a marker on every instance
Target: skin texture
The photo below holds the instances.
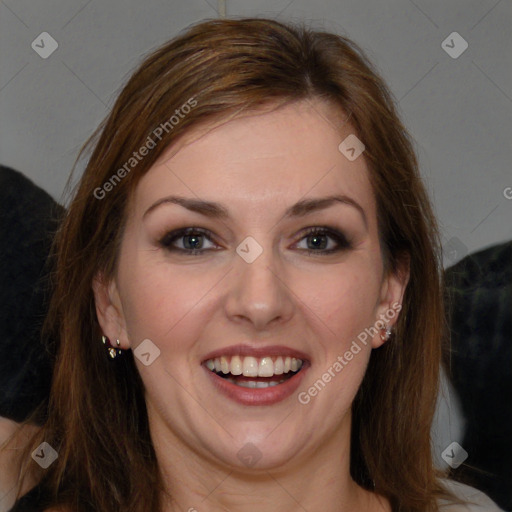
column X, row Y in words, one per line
column 256, row 166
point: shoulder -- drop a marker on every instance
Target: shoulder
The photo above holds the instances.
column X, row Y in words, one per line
column 13, row 440
column 476, row 501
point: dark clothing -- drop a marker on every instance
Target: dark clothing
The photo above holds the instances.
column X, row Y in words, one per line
column 28, row 219
column 33, row 501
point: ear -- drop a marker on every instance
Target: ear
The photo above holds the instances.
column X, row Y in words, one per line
column 392, row 294
column 109, row 309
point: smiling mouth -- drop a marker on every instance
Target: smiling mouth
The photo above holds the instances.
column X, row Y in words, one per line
column 254, row 372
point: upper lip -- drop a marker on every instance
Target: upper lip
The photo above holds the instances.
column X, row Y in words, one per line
column 258, row 352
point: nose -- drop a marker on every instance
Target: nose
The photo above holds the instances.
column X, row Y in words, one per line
column 258, row 292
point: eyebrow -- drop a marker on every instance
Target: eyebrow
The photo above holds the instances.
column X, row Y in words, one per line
column 299, row 209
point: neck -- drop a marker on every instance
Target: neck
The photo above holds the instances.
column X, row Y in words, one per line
column 317, row 481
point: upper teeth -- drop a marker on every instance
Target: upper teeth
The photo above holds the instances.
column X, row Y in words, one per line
column 254, row 367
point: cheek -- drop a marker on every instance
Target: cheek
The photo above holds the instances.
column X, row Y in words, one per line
column 344, row 298
column 158, row 300
column 345, row 302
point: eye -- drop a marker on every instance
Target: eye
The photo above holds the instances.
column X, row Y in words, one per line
column 317, row 241
column 191, row 240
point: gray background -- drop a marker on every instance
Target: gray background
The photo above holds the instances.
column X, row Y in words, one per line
column 458, row 110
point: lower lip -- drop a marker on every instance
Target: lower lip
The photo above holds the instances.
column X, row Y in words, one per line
column 258, row 396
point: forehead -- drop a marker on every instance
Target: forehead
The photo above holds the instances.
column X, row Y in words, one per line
column 262, row 161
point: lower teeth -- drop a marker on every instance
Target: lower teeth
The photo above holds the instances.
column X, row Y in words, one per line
column 255, row 384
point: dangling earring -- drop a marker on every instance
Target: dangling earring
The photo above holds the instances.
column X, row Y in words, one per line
column 387, row 334
column 112, row 351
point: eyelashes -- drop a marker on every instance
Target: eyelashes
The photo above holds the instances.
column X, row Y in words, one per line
column 168, row 240
column 317, row 233
column 193, row 237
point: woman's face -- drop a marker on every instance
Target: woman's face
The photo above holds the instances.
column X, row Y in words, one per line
column 259, row 290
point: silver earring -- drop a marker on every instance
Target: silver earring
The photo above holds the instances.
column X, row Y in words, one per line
column 387, row 334
column 112, row 351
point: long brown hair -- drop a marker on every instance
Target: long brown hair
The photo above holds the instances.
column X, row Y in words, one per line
column 97, row 420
